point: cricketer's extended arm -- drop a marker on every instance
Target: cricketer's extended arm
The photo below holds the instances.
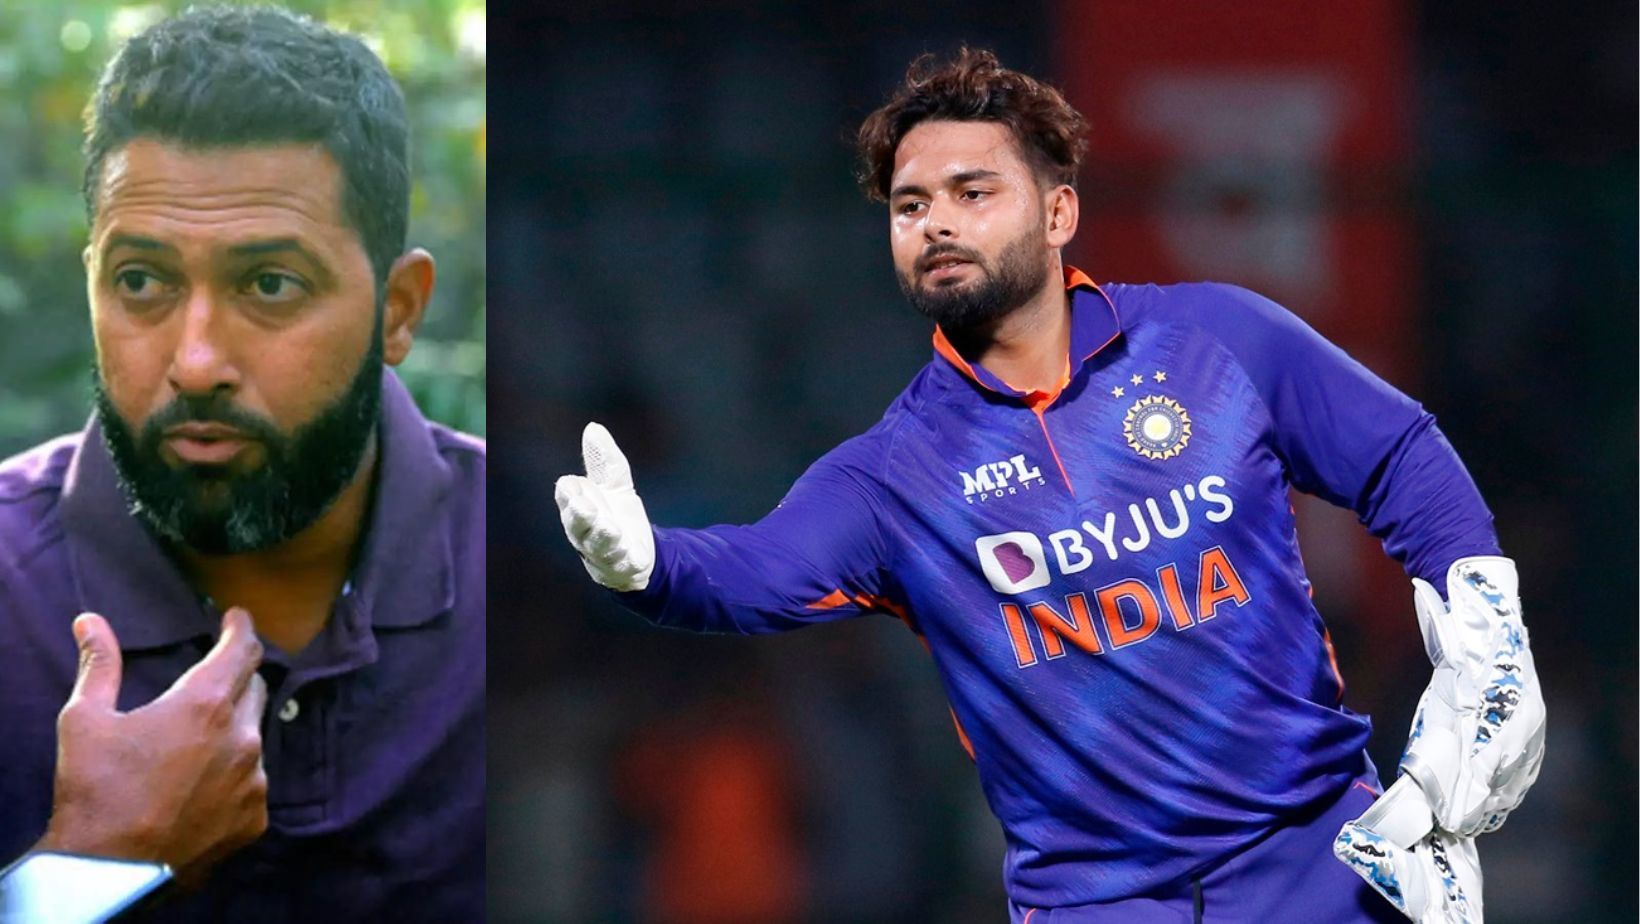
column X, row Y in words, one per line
column 817, row 557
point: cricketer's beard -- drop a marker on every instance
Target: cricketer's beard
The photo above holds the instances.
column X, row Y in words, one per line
column 217, row 511
column 1020, row 272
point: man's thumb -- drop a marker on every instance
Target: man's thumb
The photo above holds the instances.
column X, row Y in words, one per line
column 606, row 465
column 1432, row 614
column 99, row 678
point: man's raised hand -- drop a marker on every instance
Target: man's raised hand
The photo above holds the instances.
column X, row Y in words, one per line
column 603, row 516
column 179, row 780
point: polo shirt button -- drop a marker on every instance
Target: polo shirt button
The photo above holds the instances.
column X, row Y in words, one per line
column 289, row 711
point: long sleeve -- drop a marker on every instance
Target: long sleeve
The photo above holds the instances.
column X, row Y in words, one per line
column 817, row 557
column 1352, row 439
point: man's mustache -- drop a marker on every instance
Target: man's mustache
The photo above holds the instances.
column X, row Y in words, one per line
column 208, row 409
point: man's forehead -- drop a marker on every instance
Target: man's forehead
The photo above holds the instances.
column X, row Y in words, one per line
column 941, row 148
column 296, row 184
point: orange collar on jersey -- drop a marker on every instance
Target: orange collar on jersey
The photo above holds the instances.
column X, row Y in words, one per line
column 1094, row 325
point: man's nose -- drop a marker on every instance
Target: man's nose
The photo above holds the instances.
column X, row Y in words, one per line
column 202, row 361
column 938, row 226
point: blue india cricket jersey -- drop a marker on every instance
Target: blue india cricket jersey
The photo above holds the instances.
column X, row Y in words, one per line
column 1108, row 575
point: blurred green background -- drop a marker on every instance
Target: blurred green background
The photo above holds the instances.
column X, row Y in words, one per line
column 50, row 54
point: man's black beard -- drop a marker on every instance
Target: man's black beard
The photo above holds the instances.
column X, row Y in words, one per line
column 1019, row 274
column 216, row 511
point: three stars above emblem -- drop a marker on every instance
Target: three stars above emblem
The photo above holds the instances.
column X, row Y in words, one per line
column 1137, row 379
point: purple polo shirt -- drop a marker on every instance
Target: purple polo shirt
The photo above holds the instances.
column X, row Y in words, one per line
column 374, row 735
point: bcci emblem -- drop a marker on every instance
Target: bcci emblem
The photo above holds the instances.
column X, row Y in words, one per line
column 1157, row 427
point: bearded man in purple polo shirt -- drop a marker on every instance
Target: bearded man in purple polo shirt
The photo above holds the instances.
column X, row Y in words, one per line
column 275, row 684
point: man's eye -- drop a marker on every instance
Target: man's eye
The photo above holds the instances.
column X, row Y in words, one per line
column 973, row 194
column 910, row 208
column 137, row 283
column 275, row 287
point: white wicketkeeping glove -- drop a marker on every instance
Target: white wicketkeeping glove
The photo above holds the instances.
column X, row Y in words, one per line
column 1433, row 877
column 1477, row 737
column 603, row 517
column 1475, row 748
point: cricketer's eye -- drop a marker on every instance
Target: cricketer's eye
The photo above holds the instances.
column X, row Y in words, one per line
column 974, row 195
column 911, row 207
column 274, row 287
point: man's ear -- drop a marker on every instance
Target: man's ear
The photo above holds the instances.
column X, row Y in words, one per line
column 1062, row 212
column 409, row 289
column 86, row 258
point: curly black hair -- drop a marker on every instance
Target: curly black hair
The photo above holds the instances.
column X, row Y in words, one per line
column 974, row 87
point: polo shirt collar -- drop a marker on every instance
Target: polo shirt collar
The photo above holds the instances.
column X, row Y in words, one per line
column 406, row 572
column 405, row 575
column 1094, row 326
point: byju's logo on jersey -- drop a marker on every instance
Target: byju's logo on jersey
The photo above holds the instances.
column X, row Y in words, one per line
column 999, row 479
column 1013, row 562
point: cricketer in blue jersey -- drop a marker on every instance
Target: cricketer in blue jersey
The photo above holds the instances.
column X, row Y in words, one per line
column 1081, row 504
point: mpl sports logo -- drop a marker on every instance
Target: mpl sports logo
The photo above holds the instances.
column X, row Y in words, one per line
column 999, row 479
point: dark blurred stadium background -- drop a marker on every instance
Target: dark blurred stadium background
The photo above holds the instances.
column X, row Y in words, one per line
column 51, row 52
column 1448, row 189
